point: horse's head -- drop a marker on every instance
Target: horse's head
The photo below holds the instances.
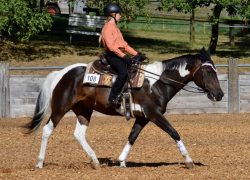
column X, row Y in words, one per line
column 205, row 76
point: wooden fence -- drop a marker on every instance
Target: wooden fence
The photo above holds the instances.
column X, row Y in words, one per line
column 18, row 93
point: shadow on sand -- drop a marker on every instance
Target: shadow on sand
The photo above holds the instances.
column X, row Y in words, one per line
column 111, row 163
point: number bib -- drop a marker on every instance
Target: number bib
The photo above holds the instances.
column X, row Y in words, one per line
column 91, row 78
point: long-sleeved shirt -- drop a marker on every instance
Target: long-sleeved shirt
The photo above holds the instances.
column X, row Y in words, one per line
column 113, row 40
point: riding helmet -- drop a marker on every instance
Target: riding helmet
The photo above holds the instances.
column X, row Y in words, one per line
column 112, row 8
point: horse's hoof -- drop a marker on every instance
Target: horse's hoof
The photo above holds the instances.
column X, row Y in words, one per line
column 189, row 165
column 123, row 164
column 95, row 165
column 39, row 165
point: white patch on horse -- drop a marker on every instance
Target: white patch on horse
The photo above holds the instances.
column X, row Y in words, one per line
column 183, row 151
column 182, row 70
column 125, row 152
column 182, row 147
column 47, row 131
column 136, row 107
column 80, row 135
column 155, row 68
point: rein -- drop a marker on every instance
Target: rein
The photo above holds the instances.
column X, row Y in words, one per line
column 170, row 79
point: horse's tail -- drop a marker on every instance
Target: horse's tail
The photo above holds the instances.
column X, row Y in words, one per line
column 43, row 102
column 45, row 96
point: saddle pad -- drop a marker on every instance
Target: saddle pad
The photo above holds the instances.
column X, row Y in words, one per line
column 138, row 79
column 93, row 77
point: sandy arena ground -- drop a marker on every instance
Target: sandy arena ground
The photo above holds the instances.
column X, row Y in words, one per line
column 218, row 143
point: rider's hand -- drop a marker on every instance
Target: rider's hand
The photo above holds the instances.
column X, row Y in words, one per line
column 128, row 60
column 139, row 57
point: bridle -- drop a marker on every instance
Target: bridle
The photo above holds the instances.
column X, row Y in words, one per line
column 204, row 64
column 200, row 67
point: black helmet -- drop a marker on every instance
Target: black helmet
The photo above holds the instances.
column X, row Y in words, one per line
column 112, row 8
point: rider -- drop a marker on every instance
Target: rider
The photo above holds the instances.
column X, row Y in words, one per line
column 117, row 50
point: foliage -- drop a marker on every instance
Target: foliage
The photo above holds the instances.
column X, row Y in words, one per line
column 245, row 9
column 20, row 20
column 131, row 8
column 233, row 7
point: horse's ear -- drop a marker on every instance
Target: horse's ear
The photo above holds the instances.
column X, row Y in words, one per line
column 205, row 54
column 208, row 51
column 204, row 51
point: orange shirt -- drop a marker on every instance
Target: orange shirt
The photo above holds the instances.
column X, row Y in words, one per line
column 113, row 40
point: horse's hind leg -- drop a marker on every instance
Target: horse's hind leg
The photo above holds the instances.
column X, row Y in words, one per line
column 84, row 115
column 47, row 131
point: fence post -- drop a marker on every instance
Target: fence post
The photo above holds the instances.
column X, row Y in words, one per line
column 233, row 86
column 4, row 90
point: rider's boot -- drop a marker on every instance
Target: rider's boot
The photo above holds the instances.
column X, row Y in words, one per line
column 114, row 96
column 115, row 102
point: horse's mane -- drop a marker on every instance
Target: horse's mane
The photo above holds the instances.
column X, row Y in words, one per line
column 203, row 56
column 178, row 61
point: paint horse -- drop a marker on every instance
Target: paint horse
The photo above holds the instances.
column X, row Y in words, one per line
column 64, row 90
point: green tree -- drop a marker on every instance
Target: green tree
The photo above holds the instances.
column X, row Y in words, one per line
column 131, row 8
column 186, row 7
column 20, row 19
column 245, row 10
column 233, row 7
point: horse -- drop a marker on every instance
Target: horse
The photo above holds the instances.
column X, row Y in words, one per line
column 64, row 90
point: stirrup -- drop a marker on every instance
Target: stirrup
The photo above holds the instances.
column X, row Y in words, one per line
column 127, row 108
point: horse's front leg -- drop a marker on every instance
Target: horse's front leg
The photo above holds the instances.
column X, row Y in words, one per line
column 139, row 124
column 161, row 121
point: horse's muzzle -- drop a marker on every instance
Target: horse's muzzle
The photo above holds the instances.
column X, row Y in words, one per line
column 215, row 96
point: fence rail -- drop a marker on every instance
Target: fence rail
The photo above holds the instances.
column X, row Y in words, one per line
column 18, row 93
column 39, row 68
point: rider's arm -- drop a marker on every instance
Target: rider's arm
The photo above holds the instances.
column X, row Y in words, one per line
column 114, row 41
column 129, row 49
